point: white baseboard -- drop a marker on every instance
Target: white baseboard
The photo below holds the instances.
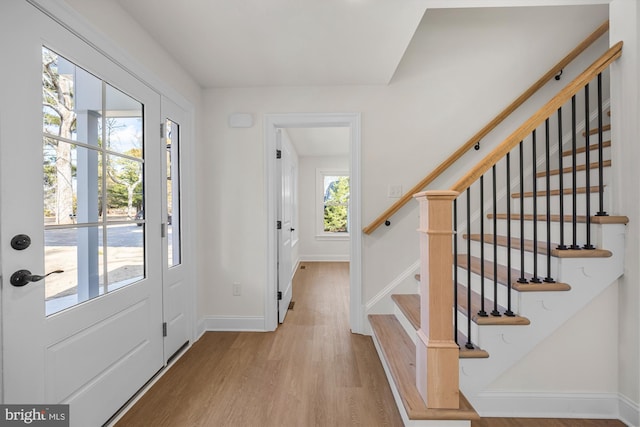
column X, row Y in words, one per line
column 549, row 405
column 325, row 258
column 231, row 323
column 629, row 411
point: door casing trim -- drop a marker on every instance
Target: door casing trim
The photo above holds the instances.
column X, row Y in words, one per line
column 272, row 122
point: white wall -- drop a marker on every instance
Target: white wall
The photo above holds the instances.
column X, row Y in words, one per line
column 625, row 107
column 569, row 359
column 140, row 49
column 442, row 93
column 313, row 248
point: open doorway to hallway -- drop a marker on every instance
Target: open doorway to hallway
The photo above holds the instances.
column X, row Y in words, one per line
column 320, row 216
column 314, row 204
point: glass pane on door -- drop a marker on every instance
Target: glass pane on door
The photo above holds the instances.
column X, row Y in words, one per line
column 173, row 192
column 93, row 175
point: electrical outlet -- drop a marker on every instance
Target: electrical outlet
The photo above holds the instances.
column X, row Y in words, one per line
column 237, row 290
column 394, row 191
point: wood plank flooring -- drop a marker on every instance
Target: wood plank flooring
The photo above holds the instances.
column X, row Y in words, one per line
column 310, row 372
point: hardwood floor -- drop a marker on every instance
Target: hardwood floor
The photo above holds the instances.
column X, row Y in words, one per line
column 310, row 372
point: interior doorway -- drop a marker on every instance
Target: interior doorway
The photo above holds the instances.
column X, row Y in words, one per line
column 293, row 126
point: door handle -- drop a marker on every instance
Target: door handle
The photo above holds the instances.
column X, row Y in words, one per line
column 292, row 229
column 22, row 277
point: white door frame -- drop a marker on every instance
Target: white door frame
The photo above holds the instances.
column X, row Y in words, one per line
column 289, row 120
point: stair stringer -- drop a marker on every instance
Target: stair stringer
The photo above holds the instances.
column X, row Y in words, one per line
column 382, row 303
column 547, row 311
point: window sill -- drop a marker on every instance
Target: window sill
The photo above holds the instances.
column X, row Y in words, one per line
column 336, row 236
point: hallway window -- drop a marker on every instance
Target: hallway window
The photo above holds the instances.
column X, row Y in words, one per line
column 333, row 212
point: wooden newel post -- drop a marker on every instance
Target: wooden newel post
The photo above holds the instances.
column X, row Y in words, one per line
column 437, row 363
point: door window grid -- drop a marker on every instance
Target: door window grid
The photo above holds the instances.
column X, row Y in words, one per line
column 93, row 179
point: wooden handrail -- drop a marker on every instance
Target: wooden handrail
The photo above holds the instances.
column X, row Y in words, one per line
column 539, row 117
column 602, row 29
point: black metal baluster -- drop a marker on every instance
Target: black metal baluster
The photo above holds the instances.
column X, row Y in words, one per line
column 601, row 211
column 535, row 278
column 508, row 312
column 482, row 312
column 587, row 159
column 574, row 194
column 548, row 279
column 468, row 344
column 495, row 311
column 522, row 279
column 561, row 246
column 455, row 271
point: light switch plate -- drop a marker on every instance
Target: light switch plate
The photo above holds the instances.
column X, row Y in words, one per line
column 394, row 191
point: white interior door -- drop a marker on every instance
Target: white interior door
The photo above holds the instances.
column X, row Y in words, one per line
column 91, row 336
column 285, row 276
column 176, row 288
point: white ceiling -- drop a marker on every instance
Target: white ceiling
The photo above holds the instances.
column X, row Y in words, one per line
column 241, row 43
column 325, row 141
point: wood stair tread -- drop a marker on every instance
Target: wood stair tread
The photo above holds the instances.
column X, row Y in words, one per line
column 409, row 304
column 400, row 356
column 470, row 353
column 594, row 131
column 579, row 168
column 607, row 219
column 566, row 191
column 502, row 276
column 592, row 147
column 610, row 219
column 542, row 247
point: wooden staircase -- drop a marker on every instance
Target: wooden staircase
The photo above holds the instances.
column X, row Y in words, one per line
column 395, row 334
column 512, row 285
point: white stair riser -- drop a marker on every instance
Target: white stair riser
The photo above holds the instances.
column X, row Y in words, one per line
column 581, row 157
column 408, row 327
column 581, row 231
column 463, row 327
column 567, row 179
column 476, row 285
column 516, row 258
column 554, row 203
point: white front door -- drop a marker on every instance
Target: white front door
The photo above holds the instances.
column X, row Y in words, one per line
column 78, row 156
column 285, row 276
